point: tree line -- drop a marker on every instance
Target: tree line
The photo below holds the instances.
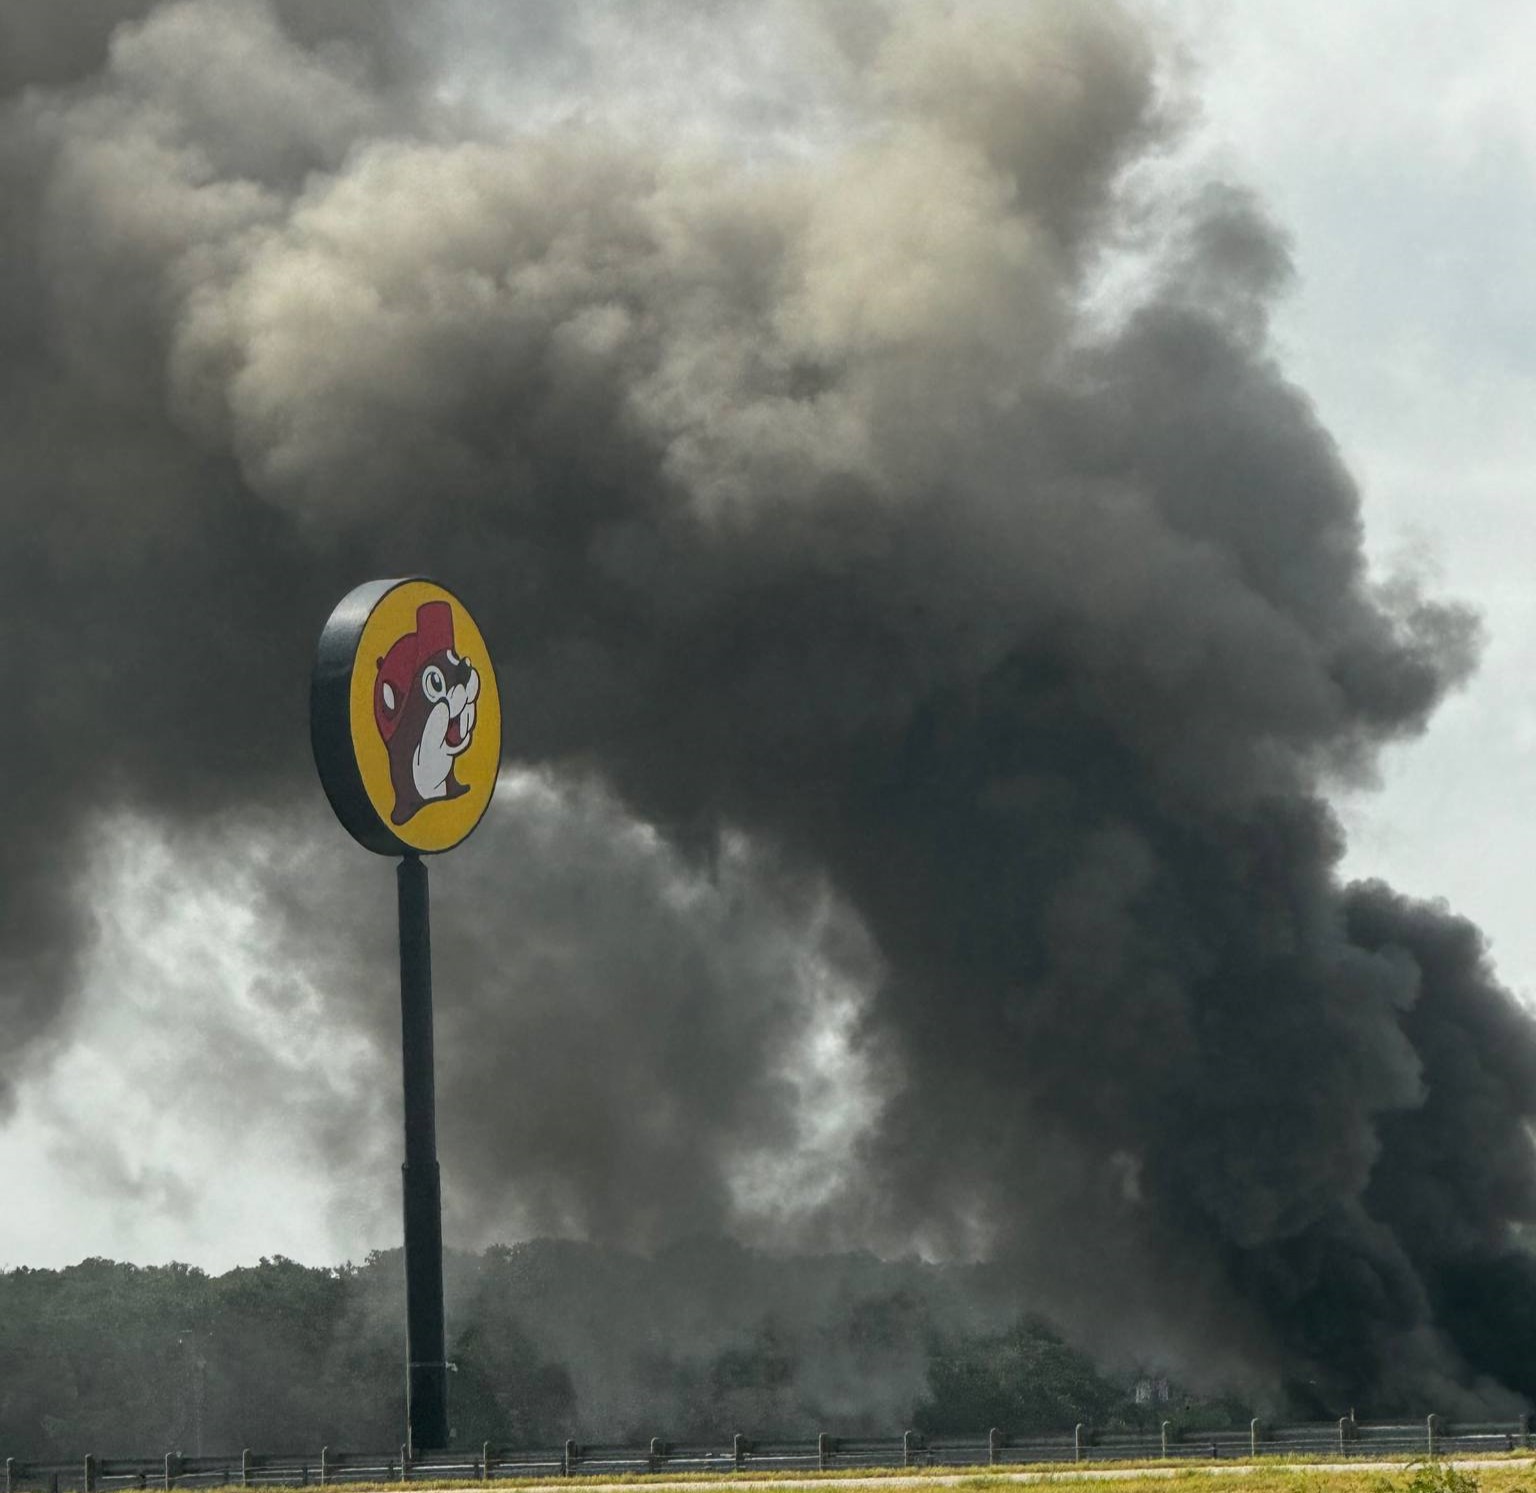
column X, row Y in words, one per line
column 548, row 1339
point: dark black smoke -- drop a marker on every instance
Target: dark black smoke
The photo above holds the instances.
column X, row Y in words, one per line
column 893, row 631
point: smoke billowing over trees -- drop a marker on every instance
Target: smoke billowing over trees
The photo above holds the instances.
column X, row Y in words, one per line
column 903, row 639
column 549, row 1339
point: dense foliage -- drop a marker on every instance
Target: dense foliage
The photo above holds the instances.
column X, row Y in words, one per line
column 548, row 1340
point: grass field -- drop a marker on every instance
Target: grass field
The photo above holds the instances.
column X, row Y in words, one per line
column 1515, row 1474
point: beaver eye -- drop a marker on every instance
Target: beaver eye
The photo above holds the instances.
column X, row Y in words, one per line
column 433, row 685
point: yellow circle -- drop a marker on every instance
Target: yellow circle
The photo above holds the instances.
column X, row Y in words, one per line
column 428, row 778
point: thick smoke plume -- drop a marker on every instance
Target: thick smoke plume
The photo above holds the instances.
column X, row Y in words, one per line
column 901, row 630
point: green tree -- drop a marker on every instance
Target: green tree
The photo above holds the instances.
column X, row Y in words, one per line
column 1024, row 1380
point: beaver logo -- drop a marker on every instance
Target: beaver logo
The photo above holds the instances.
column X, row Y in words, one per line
column 424, row 705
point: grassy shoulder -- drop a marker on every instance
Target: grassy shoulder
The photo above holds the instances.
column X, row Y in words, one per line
column 1510, row 1474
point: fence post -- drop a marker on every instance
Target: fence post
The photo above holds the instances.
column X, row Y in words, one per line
column 405, row 1462
column 1254, row 1437
column 738, row 1451
column 170, row 1471
column 1165, row 1440
column 245, row 1467
column 994, row 1445
column 1525, row 1430
column 1343, row 1435
column 1431, row 1425
column 569, row 1460
column 906, row 1448
column 10, row 1475
column 90, row 1473
column 325, row 1464
column 485, row 1461
column 1077, row 1442
column 823, row 1451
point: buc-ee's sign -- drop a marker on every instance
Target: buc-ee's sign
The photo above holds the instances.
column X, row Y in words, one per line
column 404, row 718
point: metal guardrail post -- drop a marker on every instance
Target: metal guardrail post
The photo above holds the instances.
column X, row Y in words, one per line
column 10, row 1475
column 823, row 1451
column 1077, row 1442
column 1343, row 1435
column 1165, row 1440
column 569, row 1459
column 994, row 1445
column 325, row 1465
column 1525, row 1430
column 907, row 1438
column 1431, row 1425
column 739, row 1448
column 485, row 1461
column 245, row 1467
column 170, row 1471
column 405, row 1462
column 89, row 1475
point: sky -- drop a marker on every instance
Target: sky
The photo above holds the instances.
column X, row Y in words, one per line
column 1394, row 144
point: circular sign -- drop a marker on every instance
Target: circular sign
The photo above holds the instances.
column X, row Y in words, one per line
column 404, row 717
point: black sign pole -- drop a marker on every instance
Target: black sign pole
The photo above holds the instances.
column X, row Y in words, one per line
column 425, row 1350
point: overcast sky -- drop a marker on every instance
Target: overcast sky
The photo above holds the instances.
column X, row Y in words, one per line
column 1395, row 143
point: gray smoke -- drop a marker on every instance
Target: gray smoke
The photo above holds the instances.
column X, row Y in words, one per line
column 887, row 622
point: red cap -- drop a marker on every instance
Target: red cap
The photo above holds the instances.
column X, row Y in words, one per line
column 398, row 667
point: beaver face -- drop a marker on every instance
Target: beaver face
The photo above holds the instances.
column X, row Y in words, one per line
column 435, row 723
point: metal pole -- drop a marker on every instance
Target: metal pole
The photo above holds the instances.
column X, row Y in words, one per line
column 425, row 1352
